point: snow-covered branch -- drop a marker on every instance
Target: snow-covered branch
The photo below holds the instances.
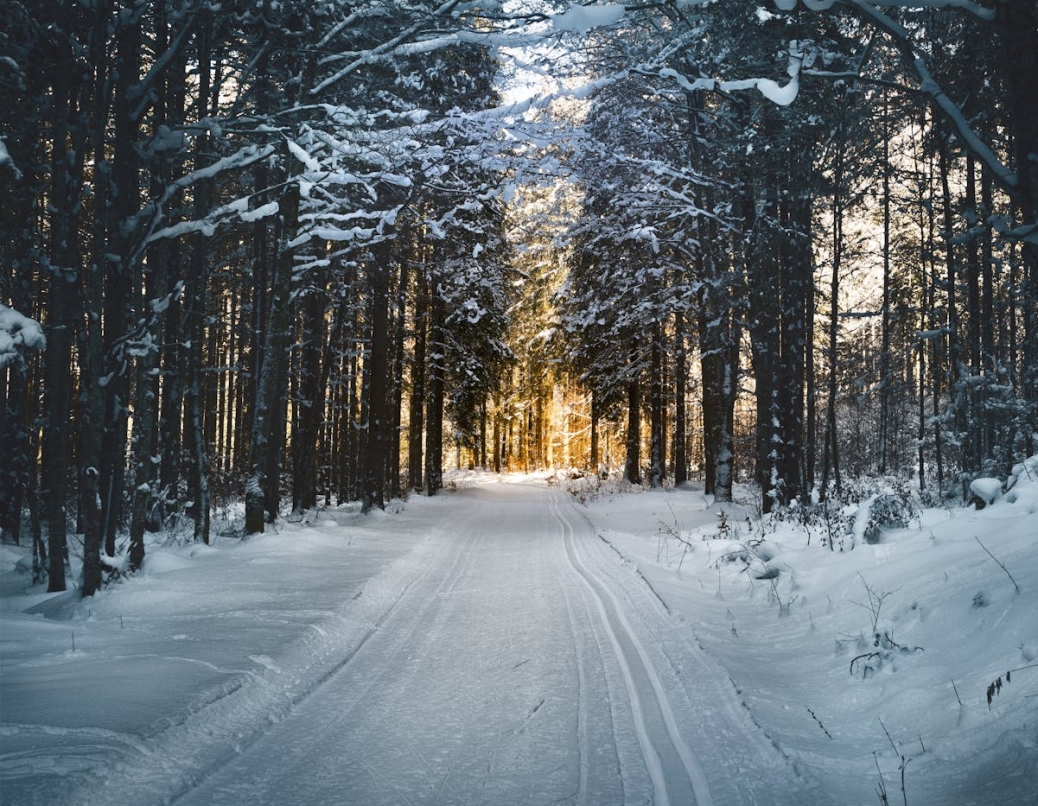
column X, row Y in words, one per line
column 976, row 9
column 929, row 86
column 390, row 45
column 17, row 333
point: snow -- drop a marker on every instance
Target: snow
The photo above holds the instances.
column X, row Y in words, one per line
column 535, row 640
column 780, row 94
column 303, row 156
column 263, row 211
column 987, row 490
column 5, row 159
column 777, row 93
column 17, row 333
column 580, row 19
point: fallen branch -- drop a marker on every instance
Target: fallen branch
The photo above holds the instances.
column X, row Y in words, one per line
column 819, row 721
column 1000, row 565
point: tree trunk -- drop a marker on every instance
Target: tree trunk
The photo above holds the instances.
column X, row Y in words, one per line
column 1018, row 22
column 596, row 458
column 416, row 401
column 57, row 414
column 63, row 310
column 396, row 393
column 145, row 409
column 884, row 354
column 632, row 464
column 657, row 409
column 955, row 368
column 374, row 490
column 680, row 390
column 434, row 406
column 195, row 312
column 263, row 485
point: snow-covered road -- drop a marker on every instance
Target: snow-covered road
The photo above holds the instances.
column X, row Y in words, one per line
column 523, row 663
column 511, row 656
column 503, row 645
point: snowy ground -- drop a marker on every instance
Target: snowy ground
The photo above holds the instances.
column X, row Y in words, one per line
column 507, row 644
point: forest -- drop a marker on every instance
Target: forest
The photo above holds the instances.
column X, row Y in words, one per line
column 294, row 255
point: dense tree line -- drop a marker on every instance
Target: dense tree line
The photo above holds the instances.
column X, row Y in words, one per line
column 739, row 218
column 273, row 254
column 250, row 232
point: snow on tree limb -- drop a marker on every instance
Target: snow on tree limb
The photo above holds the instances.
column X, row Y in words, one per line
column 301, row 154
column 928, row 85
column 870, row 11
column 17, row 333
column 239, row 208
column 580, row 19
column 239, row 159
column 386, row 47
column 783, row 95
column 968, row 6
column 5, row 159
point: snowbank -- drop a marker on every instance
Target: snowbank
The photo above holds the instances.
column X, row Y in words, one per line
column 859, row 662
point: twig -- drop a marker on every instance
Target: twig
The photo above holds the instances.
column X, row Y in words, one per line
column 882, row 787
column 993, row 557
column 904, row 761
column 956, row 690
column 866, row 656
column 996, row 687
column 876, row 600
column 819, row 721
column 889, row 737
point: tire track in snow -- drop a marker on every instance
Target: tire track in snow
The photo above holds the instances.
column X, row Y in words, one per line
column 662, row 746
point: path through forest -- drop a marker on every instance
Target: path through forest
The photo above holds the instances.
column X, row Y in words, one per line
column 512, row 657
column 524, row 663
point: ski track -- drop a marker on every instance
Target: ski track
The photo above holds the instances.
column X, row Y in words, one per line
column 510, row 658
column 638, row 663
column 729, row 742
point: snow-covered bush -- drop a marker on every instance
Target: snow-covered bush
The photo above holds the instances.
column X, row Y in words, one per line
column 580, row 484
column 860, row 511
column 884, row 511
column 1022, row 485
column 985, row 492
column 755, row 555
column 883, row 655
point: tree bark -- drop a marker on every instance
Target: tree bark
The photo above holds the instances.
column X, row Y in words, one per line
column 374, row 490
column 632, row 464
column 416, row 401
column 434, row 406
column 309, row 405
column 262, row 492
column 680, row 391
column 657, row 409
